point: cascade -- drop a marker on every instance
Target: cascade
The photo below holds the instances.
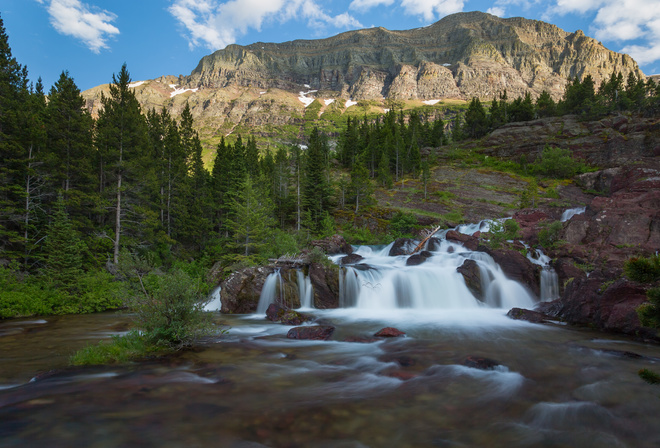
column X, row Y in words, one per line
column 272, row 289
column 214, row 303
column 549, row 278
column 390, row 284
column 569, row 213
column 305, row 290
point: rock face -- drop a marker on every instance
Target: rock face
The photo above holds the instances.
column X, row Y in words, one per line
column 516, row 267
column 472, row 275
column 461, row 56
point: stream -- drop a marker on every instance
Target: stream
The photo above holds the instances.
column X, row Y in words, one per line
column 553, row 385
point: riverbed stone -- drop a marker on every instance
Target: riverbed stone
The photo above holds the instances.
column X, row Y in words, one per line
column 472, row 275
column 313, row 332
column 402, row 246
column 351, row 259
column 478, row 362
column 528, row 315
column 389, row 332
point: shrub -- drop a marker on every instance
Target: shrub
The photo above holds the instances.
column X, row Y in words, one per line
column 649, row 376
column 558, row 163
column 402, row 224
column 643, row 270
column 503, row 231
column 119, row 350
column 649, row 313
column 549, row 234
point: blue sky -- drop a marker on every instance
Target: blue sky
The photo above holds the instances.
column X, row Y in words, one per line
column 93, row 38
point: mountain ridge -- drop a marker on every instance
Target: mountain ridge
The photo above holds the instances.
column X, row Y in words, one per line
column 463, row 55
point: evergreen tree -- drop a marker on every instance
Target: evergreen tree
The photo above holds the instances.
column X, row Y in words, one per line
column 360, row 185
column 315, row 191
column 251, row 218
column 62, row 249
column 545, row 105
column 221, row 185
column 426, row 176
column 476, row 122
column 122, row 143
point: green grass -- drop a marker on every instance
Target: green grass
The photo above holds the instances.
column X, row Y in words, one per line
column 121, row 349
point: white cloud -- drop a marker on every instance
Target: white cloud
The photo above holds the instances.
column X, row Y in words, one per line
column 91, row 25
column 365, row 5
column 498, row 11
column 621, row 21
column 216, row 24
column 432, row 9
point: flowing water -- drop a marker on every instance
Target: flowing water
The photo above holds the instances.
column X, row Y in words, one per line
column 554, row 386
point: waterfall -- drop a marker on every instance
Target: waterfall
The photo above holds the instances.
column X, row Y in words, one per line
column 568, row 214
column 214, row 303
column 305, row 290
column 272, row 289
column 435, row 284
column 549, row 277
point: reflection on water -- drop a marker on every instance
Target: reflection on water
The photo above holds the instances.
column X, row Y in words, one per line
column 554, row 387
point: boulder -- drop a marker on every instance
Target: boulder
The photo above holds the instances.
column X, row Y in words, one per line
column 389, row 332
column 325, row 281
column 278, row 313
column 468, row 241
column 530, row 316
column 402, row 246
column 433, row 244
column 275, row 312
column 241, row 290
column 477, row 362
column 417, row 259
column 332, row 245
column 315, row 333
column 351, row 259
column 472, row 275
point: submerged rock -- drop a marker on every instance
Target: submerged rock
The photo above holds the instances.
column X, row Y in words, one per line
column 315, row 333
column 530, row 316
column 477, row 362
column 417, row 259
column 278, row 313
column 402, row 246
column 351, row 259
column 389, row 332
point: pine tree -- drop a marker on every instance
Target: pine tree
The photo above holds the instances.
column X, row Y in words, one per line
column 360, row 185
column 14, row 95
column 476, row 122
column 122, row 143
column 62, row 249
column 315, row 191
column 251, row 218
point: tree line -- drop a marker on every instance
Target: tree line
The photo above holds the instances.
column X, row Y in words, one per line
column 581, row 97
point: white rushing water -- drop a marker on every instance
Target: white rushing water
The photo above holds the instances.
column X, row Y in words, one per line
column 569, row 213
column 388, row 283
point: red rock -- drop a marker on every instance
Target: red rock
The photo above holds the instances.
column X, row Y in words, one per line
column 389, row 332
column 469, row 241
column 477, row 362
column 315, row 333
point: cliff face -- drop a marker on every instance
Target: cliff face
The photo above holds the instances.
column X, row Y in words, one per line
column 461, row 56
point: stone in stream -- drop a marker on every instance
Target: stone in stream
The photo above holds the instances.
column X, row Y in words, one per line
column 389, row 332
column 417, row 259
column 351, row 259
column 277, row 313
column 530, row 316
column 314, row 333
column 477, row 362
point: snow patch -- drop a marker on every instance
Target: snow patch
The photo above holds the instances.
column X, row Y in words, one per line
column 350, row 103
column 431, row 102
column 262, row 93
column 304, row 99
column 136, row 84
column 329, row 102
column 180, row 91
column 446, row 65
column 172, row 86
column 386, row 110
column 307, row 86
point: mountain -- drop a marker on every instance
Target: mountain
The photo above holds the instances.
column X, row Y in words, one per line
column 459, row 57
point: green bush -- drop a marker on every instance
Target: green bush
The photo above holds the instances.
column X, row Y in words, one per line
column 643, row 270
column 649, row 376
column 558, row 163
column 649, row 313
column 550, row 233
column 503, row 231
column 402, row 224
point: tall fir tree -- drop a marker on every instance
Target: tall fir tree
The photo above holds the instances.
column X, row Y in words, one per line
column 62, row 249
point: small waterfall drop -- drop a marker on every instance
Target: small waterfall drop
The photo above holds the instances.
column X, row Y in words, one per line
column 549, row 278
column 569, row 213
column 272, row 289
column 214, row 303
column 305, row 290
